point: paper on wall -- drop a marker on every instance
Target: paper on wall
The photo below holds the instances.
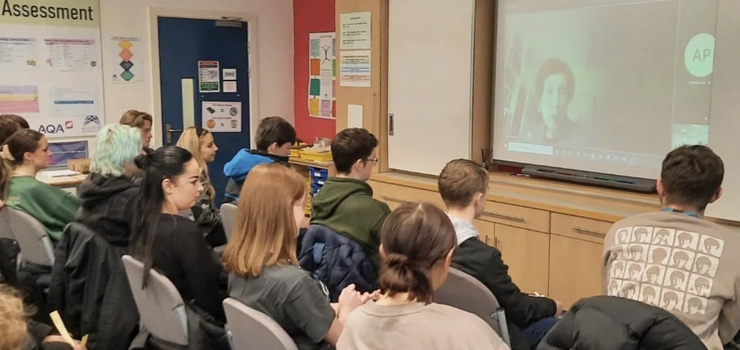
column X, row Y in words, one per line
column 222, row 116
column 355, row 31
column 355, row 118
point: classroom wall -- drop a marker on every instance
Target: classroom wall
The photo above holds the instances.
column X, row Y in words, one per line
column 309, row 17
column 274, row 51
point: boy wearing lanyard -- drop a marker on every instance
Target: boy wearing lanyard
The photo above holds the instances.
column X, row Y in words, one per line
column 674, row 258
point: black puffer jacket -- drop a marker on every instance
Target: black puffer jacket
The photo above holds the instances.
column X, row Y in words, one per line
column 609, row 323
column 90, row 290
column 106, row 206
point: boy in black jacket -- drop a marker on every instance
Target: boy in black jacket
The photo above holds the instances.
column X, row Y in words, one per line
column 463, row 185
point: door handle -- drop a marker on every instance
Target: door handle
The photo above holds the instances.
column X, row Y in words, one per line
column 588, row 231
column 503, row 216
column 169, row 130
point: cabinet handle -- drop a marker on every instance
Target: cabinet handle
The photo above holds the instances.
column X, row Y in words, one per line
column 391, row 199
column 487, row 239
column 495, row 242
column 504, row 216
column 587, row 231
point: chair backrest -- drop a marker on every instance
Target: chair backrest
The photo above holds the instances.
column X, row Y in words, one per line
column 252, row 329
column 160, row 305
column 467, row 293
column 228, row 218
column 35, row 244
column 5, row 230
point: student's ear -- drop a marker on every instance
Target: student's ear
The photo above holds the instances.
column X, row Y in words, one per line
column 272, row 147
column 448, row 258
column 167, row 186
column 717, row 196
column 659, row 188
column 27, row 156
column 381, row 251
column 480, row 198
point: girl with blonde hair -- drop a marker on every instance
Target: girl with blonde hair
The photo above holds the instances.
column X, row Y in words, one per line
column 261, row 259
column 201, row 145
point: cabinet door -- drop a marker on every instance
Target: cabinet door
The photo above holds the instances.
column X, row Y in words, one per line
column 395, row 195
column 430, row 68
column 527, row 254
column 575, row 269
column 486, row 230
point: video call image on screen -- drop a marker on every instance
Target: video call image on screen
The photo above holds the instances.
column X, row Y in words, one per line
column 614, row 84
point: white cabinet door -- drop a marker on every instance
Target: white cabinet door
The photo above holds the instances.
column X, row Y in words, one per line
column 430, row 61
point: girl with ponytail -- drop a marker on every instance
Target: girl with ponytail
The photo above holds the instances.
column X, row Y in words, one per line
column 417, row 243
column 168, row 242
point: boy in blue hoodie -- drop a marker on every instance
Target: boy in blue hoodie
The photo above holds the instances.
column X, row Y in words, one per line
column 273, row 138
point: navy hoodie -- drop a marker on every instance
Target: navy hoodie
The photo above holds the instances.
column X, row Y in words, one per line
column 239, row 166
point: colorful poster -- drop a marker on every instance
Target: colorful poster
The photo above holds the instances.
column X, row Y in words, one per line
column 209, row 76
column 322, row 75
column 128, row 62
column 355, row 31
column 51, row 66
column 19, row 99
column 222, row 116
column 355, row 68
column 17, row 54
column 72, row 54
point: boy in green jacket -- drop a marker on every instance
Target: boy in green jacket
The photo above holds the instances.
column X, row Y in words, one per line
column 345, row 203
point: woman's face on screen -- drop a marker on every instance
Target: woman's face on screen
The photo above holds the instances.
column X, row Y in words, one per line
column 554, row 101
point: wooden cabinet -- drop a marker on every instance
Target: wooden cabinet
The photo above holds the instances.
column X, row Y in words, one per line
column 580, row 228
column 395, row 195
column 486, row 230
column 575, row 268
column 517, row 216
column 526, row 252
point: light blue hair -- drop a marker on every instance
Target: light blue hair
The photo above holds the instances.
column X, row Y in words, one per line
column 116, row 146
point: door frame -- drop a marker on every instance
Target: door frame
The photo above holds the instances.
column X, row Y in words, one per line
column 249, row 18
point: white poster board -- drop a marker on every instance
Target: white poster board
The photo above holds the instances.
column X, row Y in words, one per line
column 50, row 64
column 222, row 116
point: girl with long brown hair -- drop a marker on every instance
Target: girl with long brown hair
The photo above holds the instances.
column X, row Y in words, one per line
column 417, row 243
column 261, row 256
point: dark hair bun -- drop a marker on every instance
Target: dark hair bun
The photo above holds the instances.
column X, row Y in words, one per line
column 144, row 160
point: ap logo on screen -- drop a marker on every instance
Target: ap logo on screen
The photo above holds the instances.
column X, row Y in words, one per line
column 699, row 56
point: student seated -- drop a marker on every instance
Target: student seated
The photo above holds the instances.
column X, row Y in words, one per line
column 261, row 257
column 200, row 144
column 107, row 195
column 9, row 124
column 345, row 203
column 417, row 245
column 463, row 185
column 17, row 332
column 273, row 138
column 53, row 207
column 140, row 120
column 674, row 258
column 168, row 242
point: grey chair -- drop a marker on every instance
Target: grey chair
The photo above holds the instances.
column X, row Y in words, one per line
column 251, row 329
column 35, row 244
column 160, row 305
column 464, row 292
column 228, row 218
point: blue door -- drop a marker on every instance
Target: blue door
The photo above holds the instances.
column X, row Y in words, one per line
column 182, row 44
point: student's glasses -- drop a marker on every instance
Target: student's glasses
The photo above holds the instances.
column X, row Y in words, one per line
column 374, row 160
